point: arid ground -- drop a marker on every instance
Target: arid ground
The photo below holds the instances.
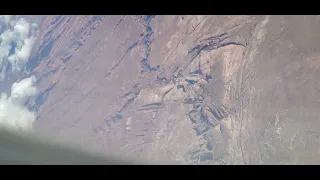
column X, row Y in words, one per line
column 190, row 89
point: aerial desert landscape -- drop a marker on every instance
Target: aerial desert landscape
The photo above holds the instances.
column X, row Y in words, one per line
column 190, row 89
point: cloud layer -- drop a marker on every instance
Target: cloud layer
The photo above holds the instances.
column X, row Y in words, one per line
column 13, row 113
column 17, row 39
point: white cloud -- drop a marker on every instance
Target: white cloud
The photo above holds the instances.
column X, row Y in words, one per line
column 18, row 31
column 17, row 38
column 6, row 38
column 22, row 90
column 13, row 113
column 21, row 56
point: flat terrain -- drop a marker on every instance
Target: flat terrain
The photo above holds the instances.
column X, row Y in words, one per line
column 191, row 89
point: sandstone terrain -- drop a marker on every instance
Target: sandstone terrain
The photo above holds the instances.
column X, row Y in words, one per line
column 190, row 89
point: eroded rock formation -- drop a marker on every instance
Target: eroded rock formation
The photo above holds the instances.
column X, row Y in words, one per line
column 192, row 89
